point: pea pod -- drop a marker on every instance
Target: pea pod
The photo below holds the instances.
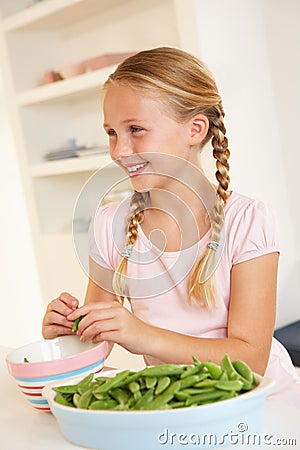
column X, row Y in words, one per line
column 162, row 384
column 103, row 404
column 133, row 387
column 189, row 381
column 59, row 398
column 165, row 369
column 244, row 370
column 120, row 395
column 116, row 381
column 203, row 397
column 231, row 385
column 150, row 382
column 144, row 400
column 196, row 361
column 227, row 366
column 67, row 389
column 86, row 399
column 213, row 369
column 76, row 323
column 161, row 400
column 192, row 371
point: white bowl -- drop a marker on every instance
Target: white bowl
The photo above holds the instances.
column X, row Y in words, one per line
column 51, row 360
column 190, row 427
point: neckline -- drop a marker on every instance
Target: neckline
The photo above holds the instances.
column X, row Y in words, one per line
column 199, row 243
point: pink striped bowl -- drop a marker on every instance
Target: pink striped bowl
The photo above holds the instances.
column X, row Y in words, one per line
column 51, row 360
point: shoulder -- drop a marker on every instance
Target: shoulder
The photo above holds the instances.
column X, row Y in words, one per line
column 112, row 212
column 251, row 227
column 240, row 207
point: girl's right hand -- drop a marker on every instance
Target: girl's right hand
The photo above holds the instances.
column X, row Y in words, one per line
column 55, row 322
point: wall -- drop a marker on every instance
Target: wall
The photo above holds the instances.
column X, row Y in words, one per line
column 20, row 322
column 247, row 46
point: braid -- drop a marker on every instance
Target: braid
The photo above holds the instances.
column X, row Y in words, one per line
column 135, row 217
column 202, row 280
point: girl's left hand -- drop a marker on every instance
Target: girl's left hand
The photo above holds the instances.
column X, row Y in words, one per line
column 111, row 321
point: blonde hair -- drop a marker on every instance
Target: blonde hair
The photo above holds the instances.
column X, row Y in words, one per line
column 187, row 88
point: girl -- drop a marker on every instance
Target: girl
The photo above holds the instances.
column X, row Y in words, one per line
column 197, row 261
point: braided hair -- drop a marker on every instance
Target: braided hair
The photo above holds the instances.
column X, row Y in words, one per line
column 187, row 88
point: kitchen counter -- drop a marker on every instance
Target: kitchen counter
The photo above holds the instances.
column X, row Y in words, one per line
column 24, row 428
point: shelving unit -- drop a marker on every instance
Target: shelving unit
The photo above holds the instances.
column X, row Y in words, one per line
column 46, row 36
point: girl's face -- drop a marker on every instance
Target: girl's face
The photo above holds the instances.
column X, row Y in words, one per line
column 144, row 139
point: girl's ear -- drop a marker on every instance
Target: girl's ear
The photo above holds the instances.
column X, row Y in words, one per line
column 199, row 126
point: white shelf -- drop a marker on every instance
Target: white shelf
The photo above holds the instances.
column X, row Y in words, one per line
column 70, row 165
column 55, row 13
column 69, row 88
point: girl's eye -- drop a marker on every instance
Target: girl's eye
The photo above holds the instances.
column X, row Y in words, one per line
column 111, row 132
column 136, row 129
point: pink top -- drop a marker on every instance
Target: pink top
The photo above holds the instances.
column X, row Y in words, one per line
column 157, row 282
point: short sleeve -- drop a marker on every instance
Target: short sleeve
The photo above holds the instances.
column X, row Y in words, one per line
column 257, row 233
column 100, row 237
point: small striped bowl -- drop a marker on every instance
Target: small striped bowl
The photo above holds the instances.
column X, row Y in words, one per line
column 51, row 360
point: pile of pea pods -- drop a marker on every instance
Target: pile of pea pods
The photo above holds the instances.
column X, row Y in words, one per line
column 166, row 386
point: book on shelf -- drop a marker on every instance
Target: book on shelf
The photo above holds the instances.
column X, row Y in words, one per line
column 76, row 152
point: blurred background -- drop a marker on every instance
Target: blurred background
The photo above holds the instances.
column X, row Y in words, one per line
column 51, row 141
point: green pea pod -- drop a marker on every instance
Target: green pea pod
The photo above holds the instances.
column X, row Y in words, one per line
column 150, row 382
column 68, row 389
column 244, row 370
column 86, row 399
column 86, row 380
column 189, row 381
column 163, row 370
column 246, row 385
column 132, row 376
column 192, row 370
column 133, row 387
column 231, row 385
column 120, row 395
column 195, row 391
column 75, row 324
column 177, row 405
column 113, row 382
column 196, row 361
column 228, row 395
column 137, row 395
column 101, row 395
column 144, row 400
column 59, row 398
column 162, row 384
column 161, row 400
column 85, row 384
column 214, row 370
column 203, row 376
column 227, row 366
column 204, row 397
column 76, row 398
column 182, row 396
column 103, row 404
column 224, row 376
column 206, row 383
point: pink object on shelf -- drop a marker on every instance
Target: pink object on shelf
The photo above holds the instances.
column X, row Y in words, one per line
column 71, row 70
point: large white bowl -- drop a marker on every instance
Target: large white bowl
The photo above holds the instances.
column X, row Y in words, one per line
column 204, row 426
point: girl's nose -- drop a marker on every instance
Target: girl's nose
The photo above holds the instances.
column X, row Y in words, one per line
column 120, row 148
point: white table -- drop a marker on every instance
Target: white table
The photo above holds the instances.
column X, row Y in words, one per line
column 23, row 428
